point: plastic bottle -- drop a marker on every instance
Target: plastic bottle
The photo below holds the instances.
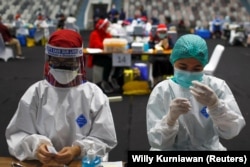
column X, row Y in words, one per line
column 91, row 159
column 146, row 46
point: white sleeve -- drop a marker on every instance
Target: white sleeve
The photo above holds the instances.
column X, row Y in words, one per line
column 21, row 134
column 160, row 134
column 227, row 116
column 103, row 130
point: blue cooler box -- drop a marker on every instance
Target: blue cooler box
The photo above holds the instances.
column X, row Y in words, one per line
column 143, row 67
column 206, row 34
column 22, row 39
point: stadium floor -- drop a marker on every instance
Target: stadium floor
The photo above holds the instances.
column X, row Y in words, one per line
column 130, row 114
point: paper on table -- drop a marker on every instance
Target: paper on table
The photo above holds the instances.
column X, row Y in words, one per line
column 94, row 50
column 112, row 164
column 51, row 149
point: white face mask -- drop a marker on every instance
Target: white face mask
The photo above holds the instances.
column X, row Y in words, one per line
column 63, row 76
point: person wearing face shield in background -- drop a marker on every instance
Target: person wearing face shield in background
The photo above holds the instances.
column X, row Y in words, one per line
column 191, row 110
column 63, row 111
column 160, row 42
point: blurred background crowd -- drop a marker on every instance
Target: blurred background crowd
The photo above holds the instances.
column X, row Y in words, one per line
column 141, row 23
column 184, row 15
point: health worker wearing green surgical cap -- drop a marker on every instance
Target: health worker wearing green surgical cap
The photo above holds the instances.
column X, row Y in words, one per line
column 191, row 111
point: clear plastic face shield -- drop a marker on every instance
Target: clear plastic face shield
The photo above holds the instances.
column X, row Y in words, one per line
column 65, row 66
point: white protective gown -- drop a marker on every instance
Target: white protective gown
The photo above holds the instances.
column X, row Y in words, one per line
column 61, row 117
column 199, row 129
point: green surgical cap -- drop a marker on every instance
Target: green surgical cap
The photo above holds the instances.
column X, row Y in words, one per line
column 190, row 46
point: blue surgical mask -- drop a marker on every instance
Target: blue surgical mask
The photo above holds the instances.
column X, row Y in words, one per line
column 161, row 35
column 185, row 78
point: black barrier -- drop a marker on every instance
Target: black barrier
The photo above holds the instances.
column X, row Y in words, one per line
column 187, row 158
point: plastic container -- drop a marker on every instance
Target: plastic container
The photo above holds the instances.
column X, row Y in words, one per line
column 22, row 39
column 30, row 42
column 128, row 75
column 143, row 70
column 91, row 159
column 203, row 33
column 115, row 45
column 146, row 47
column 32, row 32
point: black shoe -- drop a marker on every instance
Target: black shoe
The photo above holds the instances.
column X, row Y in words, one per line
column 114, row 84
column 106, row 87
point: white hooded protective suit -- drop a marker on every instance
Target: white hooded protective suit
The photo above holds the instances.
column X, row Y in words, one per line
column 198, row 129
column 61, row 117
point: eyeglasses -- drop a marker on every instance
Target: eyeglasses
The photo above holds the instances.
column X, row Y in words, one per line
column 64, row 64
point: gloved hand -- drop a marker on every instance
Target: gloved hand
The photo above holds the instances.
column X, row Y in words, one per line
column 177, row 107
column 204, row 95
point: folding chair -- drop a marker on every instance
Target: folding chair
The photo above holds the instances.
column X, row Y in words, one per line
column 5, row 52
column 214, row 60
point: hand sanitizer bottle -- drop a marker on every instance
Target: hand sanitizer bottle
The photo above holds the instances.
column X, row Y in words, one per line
column 91, row 159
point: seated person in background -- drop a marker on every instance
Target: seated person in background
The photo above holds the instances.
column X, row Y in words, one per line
column 160, row 42
column 18, row 21
column 96, row 39
column 171, row 26
column 20, row 25
column 181, row 26
column 70, row 23
column 192, row 110
column 60, row 17
column 216, row 27
column 40, row 21
column 238, row 36
column 226, row 32
column 10, row 40
column 113, row 14
column 42, row 31
column 63, row 111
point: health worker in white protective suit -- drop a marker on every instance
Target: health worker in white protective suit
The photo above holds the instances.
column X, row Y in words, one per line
column 191, row 110
column 63, row 111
